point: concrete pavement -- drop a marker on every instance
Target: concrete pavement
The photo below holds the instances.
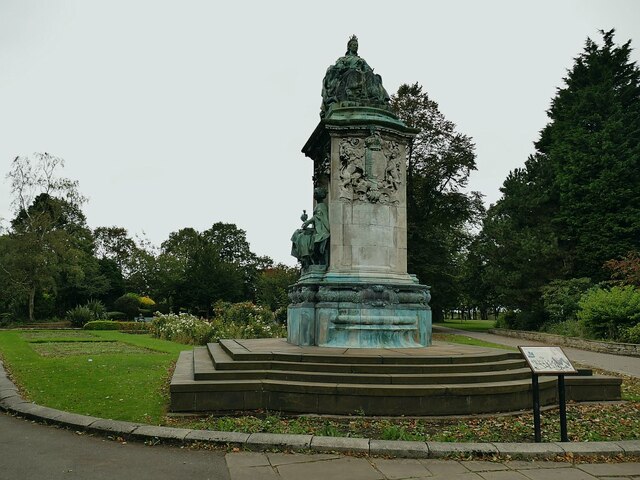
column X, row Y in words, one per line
column 38, row 452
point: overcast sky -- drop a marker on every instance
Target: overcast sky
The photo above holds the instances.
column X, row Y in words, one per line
column 186, row 113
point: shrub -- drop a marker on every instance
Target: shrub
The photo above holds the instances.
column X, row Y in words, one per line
column 101, row 325
column 129, row 303
column 561, row 298
column 97, row 308
column 116, row 315
column 607, row 313
column 250, row 322
column 568, row 328
column 146, row 302
column 110, row 325
column 521, row 320
column 182, row 327
column 631, row 334
column 79, row 315
column 245, row 313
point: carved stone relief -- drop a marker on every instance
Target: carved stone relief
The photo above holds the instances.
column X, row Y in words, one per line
column 370, row 169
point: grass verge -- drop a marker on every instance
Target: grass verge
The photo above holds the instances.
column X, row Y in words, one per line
column 469, row 325
column 463, row 340
column 103, row 373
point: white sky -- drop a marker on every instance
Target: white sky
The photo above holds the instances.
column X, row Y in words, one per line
column 185, row 113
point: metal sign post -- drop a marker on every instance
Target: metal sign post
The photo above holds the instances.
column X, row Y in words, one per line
column 548, row 361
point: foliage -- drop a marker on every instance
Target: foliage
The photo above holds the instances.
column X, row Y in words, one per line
column 592, row 147
column 576, row 202
column 79, row 315
column 182, row 328
column 146, row 302
column 439, row 210
column 561, row 298
column 243, row 312
column 521, row 320
column 102, row 325
column 568, row 328
column 129, row 303
column 196, row 269
column 98, row 310
column 272, row 285
column 111, row 325
column 243, row 320
column 626, row 270
column 116, row 315
column 606, row 313
column 631, row 334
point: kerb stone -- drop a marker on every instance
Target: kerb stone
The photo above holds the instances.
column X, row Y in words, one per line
column 263, row 441
column 398, row 448
column 340, row 444
column 445, row 449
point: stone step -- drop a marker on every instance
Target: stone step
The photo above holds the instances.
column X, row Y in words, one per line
column 237, row 352
column 205, row 370
column 310, row 387
column 222, row 361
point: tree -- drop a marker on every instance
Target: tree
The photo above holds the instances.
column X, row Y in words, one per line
column 272, row 286
column 626, row 270
column 592, row 145
column 197, row 269
column 49, row 243
column 439, row 212
column 576, row 202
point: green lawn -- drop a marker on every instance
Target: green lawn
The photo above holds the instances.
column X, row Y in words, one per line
column 102, row 373
column 469, row 325
column 461, row 339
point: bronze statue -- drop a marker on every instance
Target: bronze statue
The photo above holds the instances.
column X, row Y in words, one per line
column 351, row 82
column 309, row 245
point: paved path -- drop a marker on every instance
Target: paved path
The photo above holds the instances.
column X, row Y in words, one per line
column 30, row 451
column 614, row 363
column 33, row 451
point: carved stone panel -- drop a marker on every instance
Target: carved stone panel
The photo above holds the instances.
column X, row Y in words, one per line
column 370, row 169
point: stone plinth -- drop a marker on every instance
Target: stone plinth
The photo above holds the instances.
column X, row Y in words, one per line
column 364, row 297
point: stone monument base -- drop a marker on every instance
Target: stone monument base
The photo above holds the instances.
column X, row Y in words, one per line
column 444, row 379
column 333, row 310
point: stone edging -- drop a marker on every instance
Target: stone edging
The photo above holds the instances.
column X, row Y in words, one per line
column 629, row 349
column 11, row 401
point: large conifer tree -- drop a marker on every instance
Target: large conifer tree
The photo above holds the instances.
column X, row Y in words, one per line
column 593, row 147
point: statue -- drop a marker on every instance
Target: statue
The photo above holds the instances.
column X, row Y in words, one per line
column 309, row 245
column 351, row 82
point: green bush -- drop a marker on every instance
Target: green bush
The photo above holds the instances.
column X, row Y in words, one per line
column 79, row 315
column 101, row 325
column 631, row 334
column 568, row 328
column 606, row 314
column 97, row 308
column 245, row 313
column 561, row 298
column 116, row 315
column 531, row 321
column 249, row 323
column 110, row 325
column 129, row 303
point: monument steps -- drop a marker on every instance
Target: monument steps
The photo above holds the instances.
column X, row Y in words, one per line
column 204, row 369
column 252, row 375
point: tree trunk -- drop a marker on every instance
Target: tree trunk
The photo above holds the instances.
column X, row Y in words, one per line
column 32, row 301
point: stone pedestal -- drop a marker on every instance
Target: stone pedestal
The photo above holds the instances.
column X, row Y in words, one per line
column 364, row 296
